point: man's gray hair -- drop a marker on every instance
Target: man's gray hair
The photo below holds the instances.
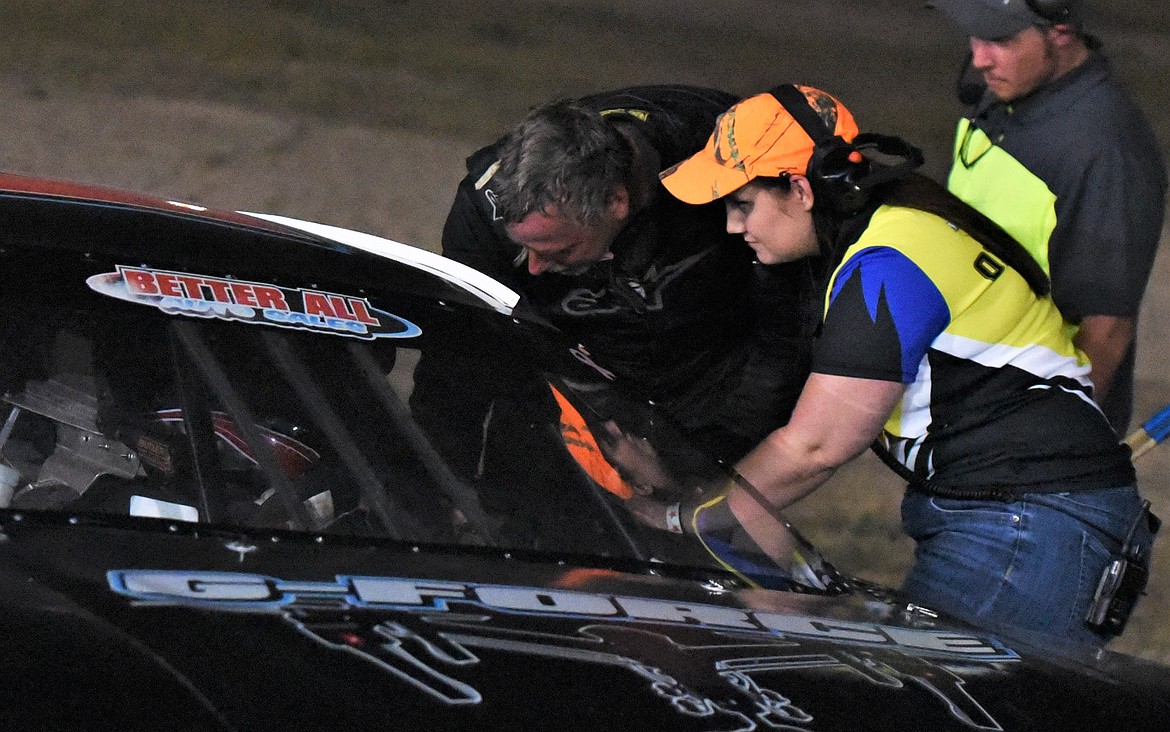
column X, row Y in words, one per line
column 562, row 154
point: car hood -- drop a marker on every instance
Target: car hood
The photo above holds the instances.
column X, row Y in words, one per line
column 144, row 623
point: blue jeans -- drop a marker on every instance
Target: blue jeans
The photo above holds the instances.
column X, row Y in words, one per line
column 1032, row 564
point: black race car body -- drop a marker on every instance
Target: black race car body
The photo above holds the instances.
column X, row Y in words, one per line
column 263, row 474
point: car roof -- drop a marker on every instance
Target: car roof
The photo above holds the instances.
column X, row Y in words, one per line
column 479, row 287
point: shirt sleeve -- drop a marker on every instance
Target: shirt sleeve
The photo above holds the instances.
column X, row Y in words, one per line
column 883, row 314
column 1108, row 225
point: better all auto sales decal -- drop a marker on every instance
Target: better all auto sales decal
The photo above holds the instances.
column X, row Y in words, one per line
column 201, row 296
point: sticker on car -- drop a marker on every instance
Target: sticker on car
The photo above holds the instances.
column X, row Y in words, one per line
column 202, row 296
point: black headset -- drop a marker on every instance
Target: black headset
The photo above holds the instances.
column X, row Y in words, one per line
column 838, row 171
column 1052, row 11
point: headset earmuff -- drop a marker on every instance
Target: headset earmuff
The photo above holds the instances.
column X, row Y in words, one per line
column 836, row 166
column 838, row 170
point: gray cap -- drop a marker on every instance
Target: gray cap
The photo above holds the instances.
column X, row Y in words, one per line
column 995, row 19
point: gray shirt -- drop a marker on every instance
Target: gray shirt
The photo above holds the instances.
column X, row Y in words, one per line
column 1092, row 146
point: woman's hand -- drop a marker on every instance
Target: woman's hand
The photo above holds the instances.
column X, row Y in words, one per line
column 636, row 460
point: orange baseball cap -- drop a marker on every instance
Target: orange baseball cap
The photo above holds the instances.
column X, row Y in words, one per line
column 756, row 137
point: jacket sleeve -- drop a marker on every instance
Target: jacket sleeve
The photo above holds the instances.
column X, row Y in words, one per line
column 471, row 236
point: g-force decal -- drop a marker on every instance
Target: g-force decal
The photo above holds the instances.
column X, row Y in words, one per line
column 200, row 296
column 424, row 631
column 258, row 592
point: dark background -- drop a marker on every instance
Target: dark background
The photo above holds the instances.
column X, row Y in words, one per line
column 359, row 114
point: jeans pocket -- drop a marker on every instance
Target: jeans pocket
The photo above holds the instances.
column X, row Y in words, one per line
column 1111, row 512
column 924, row 516
column 960, row 506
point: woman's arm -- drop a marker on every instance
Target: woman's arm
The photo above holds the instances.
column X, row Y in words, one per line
column 835, row 420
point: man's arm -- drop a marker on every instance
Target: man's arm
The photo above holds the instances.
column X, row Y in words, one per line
column 453, row 393
column 1105, row 339
column 835, row 420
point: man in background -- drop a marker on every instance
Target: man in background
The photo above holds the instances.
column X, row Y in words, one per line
column 1055, row 151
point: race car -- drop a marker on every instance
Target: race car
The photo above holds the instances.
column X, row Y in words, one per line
column 258, row 473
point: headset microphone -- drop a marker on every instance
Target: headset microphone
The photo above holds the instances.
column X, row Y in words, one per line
column 969, row 87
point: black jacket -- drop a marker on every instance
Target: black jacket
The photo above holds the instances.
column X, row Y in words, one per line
column 679, row 312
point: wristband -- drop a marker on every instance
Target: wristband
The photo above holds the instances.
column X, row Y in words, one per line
column 673, row 524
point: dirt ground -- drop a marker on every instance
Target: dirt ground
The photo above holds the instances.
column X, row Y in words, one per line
column 139, row 114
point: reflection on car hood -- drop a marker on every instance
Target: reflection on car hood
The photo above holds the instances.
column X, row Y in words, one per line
column 474, row 641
